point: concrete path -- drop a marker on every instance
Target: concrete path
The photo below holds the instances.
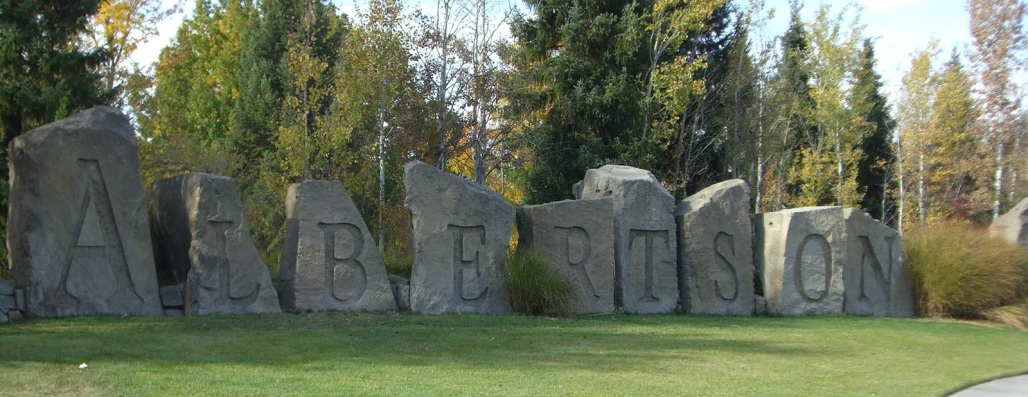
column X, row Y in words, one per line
column 1013, row 386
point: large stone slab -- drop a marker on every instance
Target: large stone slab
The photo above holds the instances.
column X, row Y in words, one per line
column 461, row 236
column 78, row 234
column 330, row 261
column 576, row 238
column 1013, row 225
column 203, row 241
column 800, row 256
column 875, row 273
column 715, row 250
column 646, row 274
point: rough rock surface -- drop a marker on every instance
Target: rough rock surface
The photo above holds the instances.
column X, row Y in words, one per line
column 171, row 296
column 1013, row 225
column 78, row 234
column 715, row 250
column 646, row 273
column 401, row 291
column 576, row 190
column 800, row 256
column 200, row 230
column 576, row 237
column 330, row 261
column 875, row 273
column 461, row 236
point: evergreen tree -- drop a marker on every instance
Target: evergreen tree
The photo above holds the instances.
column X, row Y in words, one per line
column 46, row 75
column 876, row 163
column 255, row 117
column 793, row 131
column 592, row 66
column 590, row 104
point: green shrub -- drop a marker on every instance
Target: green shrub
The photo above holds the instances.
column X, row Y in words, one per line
column 957, row 271
column 396, row 261
column 536, row 289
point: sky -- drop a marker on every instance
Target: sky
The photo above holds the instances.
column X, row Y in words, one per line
column 898, row 27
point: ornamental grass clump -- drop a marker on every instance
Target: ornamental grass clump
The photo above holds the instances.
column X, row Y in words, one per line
column 960, row 272
column 536, row 289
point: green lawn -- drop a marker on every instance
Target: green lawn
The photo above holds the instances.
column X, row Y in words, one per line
column 475, row 355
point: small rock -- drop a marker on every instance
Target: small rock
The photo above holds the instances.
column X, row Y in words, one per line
column 7, row 303
column 83, row 366
column 397, row 280
column 174, row 312
column 171, row 296
column 15, row 315
column 759, row 305
column 401, row 293
column 6, row 287
column 19, row 299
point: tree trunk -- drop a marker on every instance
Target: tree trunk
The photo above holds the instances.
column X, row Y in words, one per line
column 996, row 205
column 902, row 184
column 442, row 6
column 922, row 191
column 381, row 176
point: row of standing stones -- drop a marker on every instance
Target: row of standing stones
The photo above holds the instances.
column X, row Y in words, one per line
column 83, row 239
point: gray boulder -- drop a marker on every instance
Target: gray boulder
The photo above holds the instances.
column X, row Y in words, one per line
column 646, row 274
column 78, row 234
column 1011, row 226
column 6, row 287
column 576, row 190
column 576, row 238
column 203, row 241
column 800, row 256
column 330, row 261
column 715, row 250
column 875, row 273
column 171, row 296
column 7, row 303
column 461, row 236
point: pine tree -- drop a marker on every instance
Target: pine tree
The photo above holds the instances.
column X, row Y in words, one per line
column 255, row 117
column 591, row 64
column 46, row 75
column 877, row 162
column 794, row 129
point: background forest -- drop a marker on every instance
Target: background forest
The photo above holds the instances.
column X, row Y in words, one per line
column 526, row 99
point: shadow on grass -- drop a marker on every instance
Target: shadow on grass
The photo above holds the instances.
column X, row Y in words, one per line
column 330, row 341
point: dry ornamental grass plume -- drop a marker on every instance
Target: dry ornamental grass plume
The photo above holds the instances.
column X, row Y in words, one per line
column 961, row 272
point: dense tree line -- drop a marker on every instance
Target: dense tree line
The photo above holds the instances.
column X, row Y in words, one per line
column 275, row 92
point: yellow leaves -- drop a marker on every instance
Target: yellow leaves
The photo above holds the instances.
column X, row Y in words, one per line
column 680, row 17
column 674, row 85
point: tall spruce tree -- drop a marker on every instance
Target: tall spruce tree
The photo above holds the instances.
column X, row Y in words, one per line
column 46, row 75
column 588, row 96
column 794, row 131
column 874, row 167
column 256, row 115
column 611, row 81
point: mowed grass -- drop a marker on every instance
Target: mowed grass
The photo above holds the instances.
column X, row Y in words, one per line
column 405, row 354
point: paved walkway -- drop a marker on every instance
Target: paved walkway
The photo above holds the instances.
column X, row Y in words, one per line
column 1013, row 386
